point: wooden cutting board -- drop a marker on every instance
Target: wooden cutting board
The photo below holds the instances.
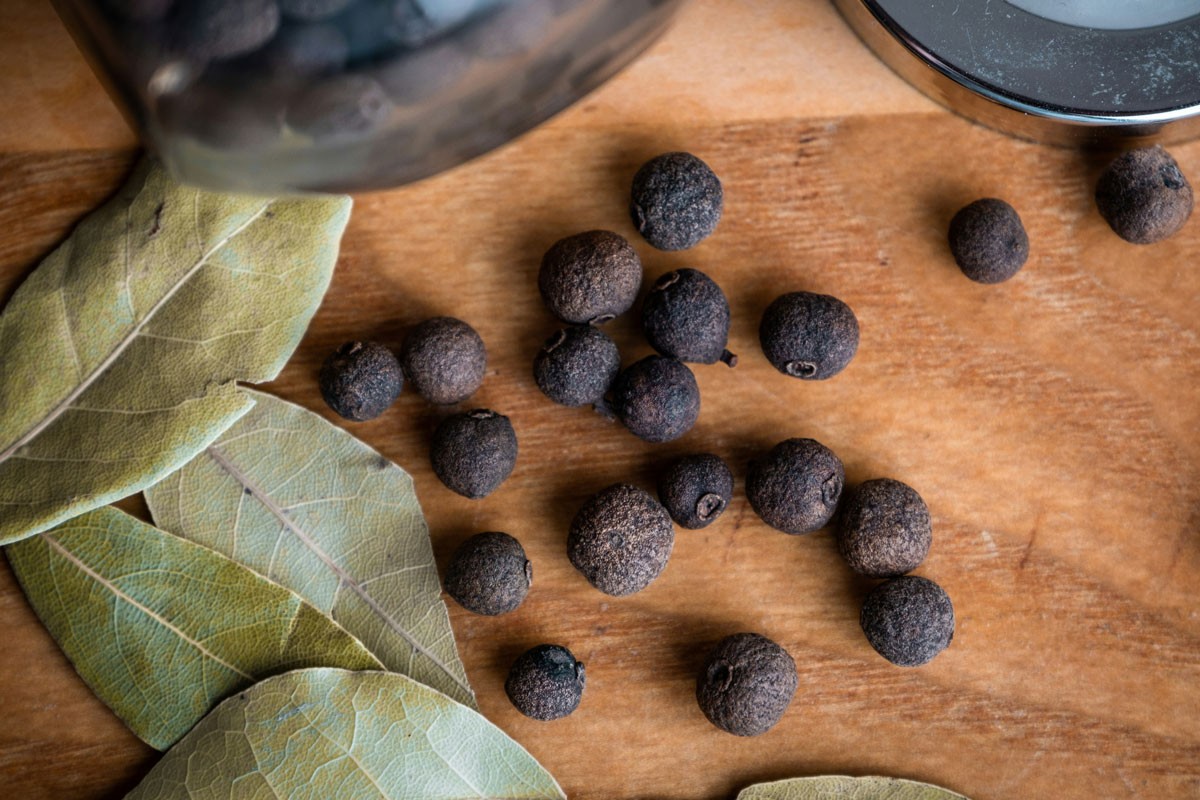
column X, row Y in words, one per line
column 1052, row 424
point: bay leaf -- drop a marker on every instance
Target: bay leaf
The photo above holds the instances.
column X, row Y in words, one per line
column 163, row 629
column 119, row 354
column 314, row 509
column 317, row 734
column 840, row 787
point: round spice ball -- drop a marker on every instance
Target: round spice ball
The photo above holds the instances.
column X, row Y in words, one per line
column 444, row 359
column 686, row 316
column 546, row 682
column 696, row 489
column 306, row 51
column 220, row 29
column 576, row 366
column 796, row 486
column 676, row 201
column 746, row 684
column 361, row 380
column 620, row 540
column 657, row 399
column 489, row 574
column 908, row 620
column 474, row 452
column 339, row 108
column 1144, row 196
column 988, row 241
column 808, row 336
column 885, row 529
column 590, row 277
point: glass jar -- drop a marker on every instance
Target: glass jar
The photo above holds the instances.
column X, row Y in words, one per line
column 272, row 96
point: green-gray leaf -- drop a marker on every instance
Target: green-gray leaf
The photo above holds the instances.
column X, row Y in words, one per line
column 163, row 629
column 840, row 787
column 317, row 734
column 312, row 508
column 119, row 354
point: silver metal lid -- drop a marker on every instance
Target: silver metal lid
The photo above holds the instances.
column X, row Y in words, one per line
column 1072, row 73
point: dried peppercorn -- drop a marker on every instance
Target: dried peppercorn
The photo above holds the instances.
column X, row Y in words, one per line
column 746, row 684
column 417, row 75
column 220, row 29
column 546, row 682
column 884, row 530
column 696, row 489
column 676, row 201
column 1144, row 196
column 908, row 620
column 306, row 51
column 621, row 540
column 489, row 574
column 809, row 336
column 796, row 486
column 576, row 366
column 988, row 241
column 444, row 359
column 686, row 316
column 344, row 106
column 657, row 399
column 360, row 380
column 474, row 452
column 590, row 277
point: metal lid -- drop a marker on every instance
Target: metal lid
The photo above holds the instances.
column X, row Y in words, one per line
column 1087, row 75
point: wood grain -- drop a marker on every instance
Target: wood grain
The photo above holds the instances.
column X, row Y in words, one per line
column 1052, row 424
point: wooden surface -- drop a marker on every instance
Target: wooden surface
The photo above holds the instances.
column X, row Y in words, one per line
column 1051, row 423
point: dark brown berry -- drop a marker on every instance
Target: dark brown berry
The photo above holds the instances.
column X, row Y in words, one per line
column 988, row 241
column 908, row 620
column 809, row 336
column 489, row 574
column 657, row 399
column 676, row 201
column 621, row 539
column 696, row 489
column 796, row 486
column 884, row 530
column 1144, row 196
column 360, row 380
column 746, row 684
column 220, row 29
column 313, row 9
column 474, row 452
column 686, row 316
column 546, row 682
column 417, row 75
column 576, row 366
column 341, row 107
column 306, row 51
column 590, row 277
column 444, row 359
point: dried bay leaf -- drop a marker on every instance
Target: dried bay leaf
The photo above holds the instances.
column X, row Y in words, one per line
column 119, row 354
column 163, row 629
column 325, row 733
column 314, row 509
column 840, row 787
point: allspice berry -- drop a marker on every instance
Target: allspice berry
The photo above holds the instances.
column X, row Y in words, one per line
column 361, row 380
column 908, row 620
column 444, row 359
column 696, row 489
column 686, row 316
column 808, row 336
column 546, row 682
column 474, row 452
column 746, row 684
column 1144, row 196
column 884, row 529
column 676, row 201
column 796, row 486
column 221, row 29
column 621, row 540
column 489, row 574
column 590, row 278
column 577, row 365
column 988, row 241
column 657, row 399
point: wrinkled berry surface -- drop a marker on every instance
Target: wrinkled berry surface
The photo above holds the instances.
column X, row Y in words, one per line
column 489, row 574
column 676, row 201
column 576, row 366
column 361, row 380
column 590, row 277
column 686, row 316
column 908, row 620
column 621, row 540
column 696, row 489
column 884, row 530
column 474, row 452
column 746, row 684
column 444, row 359
column 809, row 336
column 546, row 682
column 795, row 488
column 988, row 241
column 1144, row 196
column 657, row 399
